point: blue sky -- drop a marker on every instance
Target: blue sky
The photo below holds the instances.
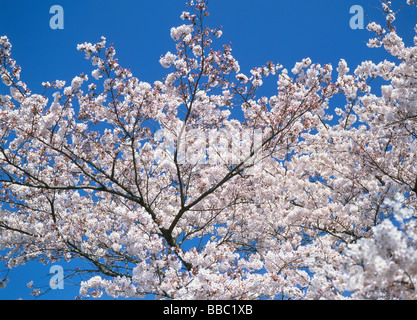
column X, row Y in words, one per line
column 283, row 31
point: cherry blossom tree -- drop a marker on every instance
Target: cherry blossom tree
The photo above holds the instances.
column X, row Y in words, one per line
column 164, row 191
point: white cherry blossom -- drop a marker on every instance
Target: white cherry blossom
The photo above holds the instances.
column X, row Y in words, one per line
column 163, row 191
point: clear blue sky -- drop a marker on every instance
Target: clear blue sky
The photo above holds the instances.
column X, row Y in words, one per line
column 283, row 31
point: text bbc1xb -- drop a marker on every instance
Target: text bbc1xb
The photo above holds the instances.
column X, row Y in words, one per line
column 209, row 309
